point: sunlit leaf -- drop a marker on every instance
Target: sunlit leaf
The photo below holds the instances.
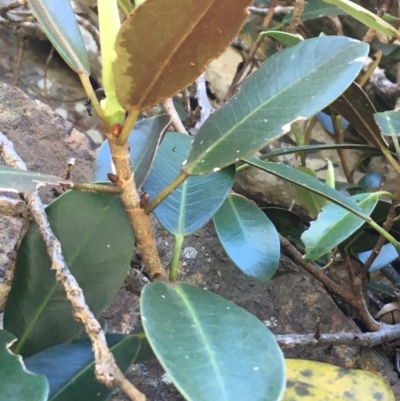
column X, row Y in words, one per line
column 316, row 381
column 16, row 382
column 15, row 180
column 334, row 225
column 389, row 122
column 58, row 21
column 267, row 104
column 159, row 52
column 285, row 221
column 248, row 237
column 211, row 348
column 365, row 16
column 284, row 38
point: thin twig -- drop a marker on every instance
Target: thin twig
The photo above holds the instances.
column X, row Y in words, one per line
column 176, row 122
column 348, row 296
column 387, row 225
column 385, row 334
column 106, row 369
column 270, row 13
column 297, row 13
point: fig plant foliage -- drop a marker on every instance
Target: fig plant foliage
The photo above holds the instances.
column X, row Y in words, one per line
column 210, row 348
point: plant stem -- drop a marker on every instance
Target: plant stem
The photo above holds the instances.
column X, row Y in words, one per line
column 140, row 221
column 91, row 94
column 390, row 158
column 384, row 233
column 166, row 191
column 102, row 188
column 174, row 268
column 128, row 126
column 169, row 107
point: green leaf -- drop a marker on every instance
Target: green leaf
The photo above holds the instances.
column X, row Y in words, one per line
column 15, row 180
column 311, row 201
column 143, row 141
column 368, row 18
column 355, row 106
column 284, row 38
column 334, row 225
column 299, row 178
column 314, row 9
column 248, row 237
column 97, row 242
column 16, row 383
column 159, row 53
column 316, row 381
column 69, row 367
column 389, row 122
column 58, row 21
column 316, row 148
column 211, row 348
column 268, row 103
column 390, row 18
column 377, row 286
column 194, row 202
column 286, row 222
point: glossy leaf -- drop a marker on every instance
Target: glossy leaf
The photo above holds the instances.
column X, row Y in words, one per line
column 159, row 52
column 355, row 106
column 268, row 103
column 97, row 242
column 316, row 381
column 248, row 237
column 195, row 201
column 316, row 148
column 16, row 382
column 143, row 141
column 389, row 122
column 299, row 178
column 211, row 348
column 58, row 21
column 316, row 9
column 334, row 225
column 15, row 180
column 310, row 200
column 284, row 38
column 365, row 16
column 69, row 367
column 388, row 254
column 286, row 222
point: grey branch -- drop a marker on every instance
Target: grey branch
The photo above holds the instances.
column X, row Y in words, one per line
column 264, row 11
column 385, row 334
column 106, row 369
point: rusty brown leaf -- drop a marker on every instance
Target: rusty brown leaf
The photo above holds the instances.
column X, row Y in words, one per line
column 163, row 46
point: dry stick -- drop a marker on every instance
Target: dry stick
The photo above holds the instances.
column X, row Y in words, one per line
column 297, row 12
column 337, row 25
column 348, row 296
column 264, row 11
column 371, row 32
column 385, row 334
column 176, row 122
column 106, row 369
column 387, row 225
column 251, row 55
column 145, row 240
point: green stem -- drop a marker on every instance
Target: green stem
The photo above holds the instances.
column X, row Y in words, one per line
column 128, row 126
column 91, row 94
column 166, row 191
column 174, row 268
column 384, row 233
column 396, row 146
column 102, row 188
column 391, row 159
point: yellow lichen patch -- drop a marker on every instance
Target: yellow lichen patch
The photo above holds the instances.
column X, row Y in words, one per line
column 318, row 381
